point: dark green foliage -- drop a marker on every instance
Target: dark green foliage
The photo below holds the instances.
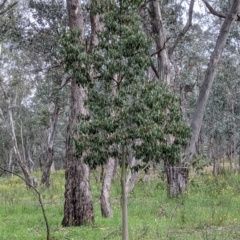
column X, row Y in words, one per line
column 145, row 122
column 125, row 108
column 74, row 55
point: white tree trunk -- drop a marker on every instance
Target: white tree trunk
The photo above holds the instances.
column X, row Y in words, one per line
column 106, row 186
column 47, row 168
column 16, row 150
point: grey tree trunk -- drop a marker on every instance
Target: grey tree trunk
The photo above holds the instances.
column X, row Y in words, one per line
column 177, row 179
column 45, row 180
column 209, row 77
column 163, row 69
column 132, row 176
column 176, row 175
column 19, row 158
column 124, row 197
column 78, row 206
column 106, row 186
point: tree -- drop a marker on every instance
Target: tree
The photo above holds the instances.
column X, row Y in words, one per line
column 140, row 117
column 230, row 18
column 155, row 27
column 21, row 161
column 177, row 174
column 78, row 207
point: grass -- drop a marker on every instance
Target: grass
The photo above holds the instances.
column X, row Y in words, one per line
column 210, row 209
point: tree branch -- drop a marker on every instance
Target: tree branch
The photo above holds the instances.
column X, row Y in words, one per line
column 2, row 173
column 155, row 70
column 39, row 199
column 8, row 7
column 2, row 5
column 185, row 29
column 215, row 13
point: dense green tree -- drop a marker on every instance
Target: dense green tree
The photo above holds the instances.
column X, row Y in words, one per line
column 126, row 111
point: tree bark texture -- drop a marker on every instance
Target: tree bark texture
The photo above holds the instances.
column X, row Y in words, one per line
column 45, row 180
column 132, row 175
column 177, row 179
column 105, row 192
column 160, row 39
column 78, row 206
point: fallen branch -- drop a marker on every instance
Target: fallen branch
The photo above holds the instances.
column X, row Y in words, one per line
column 115, row 230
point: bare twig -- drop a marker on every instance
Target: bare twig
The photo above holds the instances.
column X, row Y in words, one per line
column 185, row 29
column 154, row 69
column 159, row 50
column 65, row 80
column 216, row 13
column 39, row 199
column 8, row 8
column 2, row 173
column 2, row 5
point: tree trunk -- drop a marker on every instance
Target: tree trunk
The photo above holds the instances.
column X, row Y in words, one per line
column 106, row 185
column 133, row 175
column 216, row 167
column 177, row 177
column 16, row 150
column 78, row 207
column 124, row 196
column 115, row 170
column 51, row 133
column 174, row 174
column 163, row 69
column 234, row 138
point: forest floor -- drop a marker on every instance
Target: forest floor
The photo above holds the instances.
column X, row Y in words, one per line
column 210, row 209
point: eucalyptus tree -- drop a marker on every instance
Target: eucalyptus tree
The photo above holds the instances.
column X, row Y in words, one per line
column 230, row 18
column 16, row 91
column 39, row 42
column 127, row 113
column 179, row 173
column 166, row 41
column 78, row 206
column 222, row 113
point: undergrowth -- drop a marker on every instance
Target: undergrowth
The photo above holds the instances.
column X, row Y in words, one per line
column 208, row 210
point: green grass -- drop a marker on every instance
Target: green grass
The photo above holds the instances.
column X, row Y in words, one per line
column 210, row 209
